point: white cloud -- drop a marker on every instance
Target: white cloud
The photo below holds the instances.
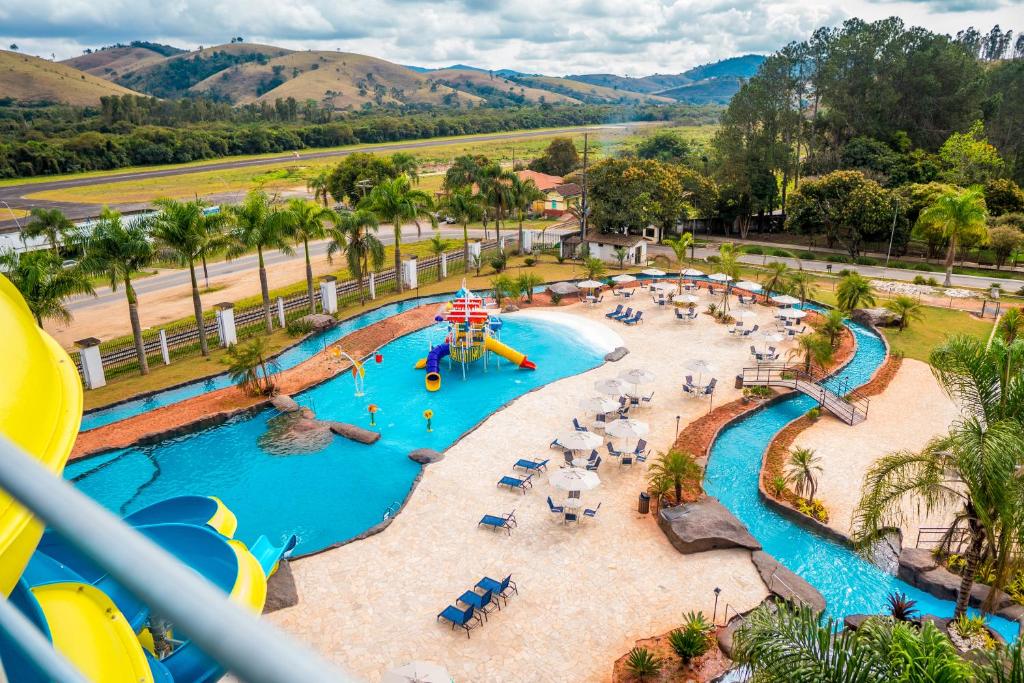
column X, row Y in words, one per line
column 633, row 37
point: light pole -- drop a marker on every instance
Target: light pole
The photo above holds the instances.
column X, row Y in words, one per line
column 16, row 223
column 892, row 233
column 714, row 614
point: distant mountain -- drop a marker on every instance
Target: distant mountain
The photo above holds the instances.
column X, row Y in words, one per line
column 735, row 67
column 24, row 78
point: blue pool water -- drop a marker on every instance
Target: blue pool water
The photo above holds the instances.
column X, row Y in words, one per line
column 848, row 583
column 286, row 360
column 339, row 492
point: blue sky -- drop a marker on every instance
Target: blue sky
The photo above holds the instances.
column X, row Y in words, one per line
column 632, row 37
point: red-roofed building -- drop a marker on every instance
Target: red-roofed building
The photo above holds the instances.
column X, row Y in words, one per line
column 543, row 181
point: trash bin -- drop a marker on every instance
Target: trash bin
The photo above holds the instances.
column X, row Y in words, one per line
column 644, row 504
column 739, row 382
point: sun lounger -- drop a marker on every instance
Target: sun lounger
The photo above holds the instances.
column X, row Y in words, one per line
column 517, row 483
column 480, row 602
column 635, row 319
column 459, row 617
column 531, row 465
column 592, row 513
column 752, row 330
column 505, row 522
column 503, row 588
column 612, row 314
column 625, row 314
column 647, row 399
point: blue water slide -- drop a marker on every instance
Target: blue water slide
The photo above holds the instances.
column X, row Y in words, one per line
column 435, row 355
column 195, row 510
column 16, row 665
column 268, row 554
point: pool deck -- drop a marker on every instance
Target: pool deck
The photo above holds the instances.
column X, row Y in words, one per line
column 587, row 592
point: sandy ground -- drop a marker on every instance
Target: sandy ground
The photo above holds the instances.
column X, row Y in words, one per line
column 911, row 410
column 586, row 592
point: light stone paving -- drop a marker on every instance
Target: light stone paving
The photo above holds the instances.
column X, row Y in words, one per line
column 586, row 592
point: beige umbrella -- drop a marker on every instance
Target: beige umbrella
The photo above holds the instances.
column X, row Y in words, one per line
column 692, row 272
column 598, row 405
column 720, row 277
column 590, row 284
column 612, row 387
column 418, row 672
column 785, row 300
column 653, row 272
column 580, row 441
column 685, row 299
column 748, row 286
column 627, row 429
column 794, row 313
column 624, row 278
column 574, row 479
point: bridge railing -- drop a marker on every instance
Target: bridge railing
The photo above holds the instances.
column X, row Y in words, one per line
column 851, row 405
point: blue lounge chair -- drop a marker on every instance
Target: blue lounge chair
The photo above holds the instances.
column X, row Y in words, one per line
column 752, row 330
column 710, row 388
column 593, row 456
column 505, row 522
column 531, row 465
column 480, row 602
column 600, row 421
column 592, row 513
column 517, row 483
column 595, row 465
column 635, row 319
column 558, row 509
column 459, row 617
column 618, row 309
column 555, row 444
column 612, row 452
column 579, row 428
column 625, row 314
column 503, row 588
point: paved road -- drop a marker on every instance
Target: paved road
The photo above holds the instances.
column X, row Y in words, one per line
column 14, row 195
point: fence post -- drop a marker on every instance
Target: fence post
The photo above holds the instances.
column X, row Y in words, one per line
column 372, row 280
column 226, row 323
column 92, row 362
column 527, row 246
column 329, row 294
column 474, row 252
column 444, row 265
column 411, row 268
column 280, row 310
column 164, row 352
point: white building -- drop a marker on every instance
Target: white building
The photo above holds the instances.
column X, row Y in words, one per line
column 603, row 245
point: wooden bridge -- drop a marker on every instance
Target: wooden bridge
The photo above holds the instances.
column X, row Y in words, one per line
column 850, row 407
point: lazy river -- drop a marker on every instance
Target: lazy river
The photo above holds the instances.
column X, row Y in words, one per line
column 336, row 493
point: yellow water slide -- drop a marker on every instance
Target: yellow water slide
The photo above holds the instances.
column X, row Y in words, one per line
column 508, row 353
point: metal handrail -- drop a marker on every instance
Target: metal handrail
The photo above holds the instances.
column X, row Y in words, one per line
column 251, row 649
column 852, row 406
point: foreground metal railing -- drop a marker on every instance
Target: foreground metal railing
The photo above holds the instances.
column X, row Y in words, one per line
column 252, row 650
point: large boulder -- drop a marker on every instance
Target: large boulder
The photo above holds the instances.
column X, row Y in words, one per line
column 353, row 432
column 704, row 525
column 284, row 403
column 618, row 353
column 940, row 582
column 425, row 456
column 879, row 317
column 784, row 584
column 319, row 322
column 852, row 622
column 913, row 562
column 295, row 433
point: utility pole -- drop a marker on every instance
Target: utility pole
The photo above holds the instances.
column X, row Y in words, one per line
column 892, row 234
column 584, row 209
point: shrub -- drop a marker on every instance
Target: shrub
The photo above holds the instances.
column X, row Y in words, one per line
column 499, row 262
column 556, row 298
column 713, row 258
column 805, row 255
column 641, row 663
column 898, row 264
column 920, row 280
column 846, row 272
column 865, row 261
column 924, row 267
column 777, row 485
column 814, row 414
column 813, row 509
column 757, row 391
column 529, row 261
column 298, row 327
column 693, row 639
column 780, row 252
column 755, row 250
column 560, row 258
column 902, row 608
column 837, row 258
column 932, row 282
column 249, row 367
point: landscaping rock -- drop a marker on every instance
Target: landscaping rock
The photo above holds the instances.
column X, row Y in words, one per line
column 284, row 403
column 295, row 433
column 914, row 562
column 940, row 582
column 281, row 591
column 425, row 456
column 319, row 321
column 1012, row 612
column 980, row 591
column 855, row 621
column 725, row 636
column 704, row 525
column 353, row 432
column 618, row 353
column 879, row 317
column 785, row 584
column 509, row 308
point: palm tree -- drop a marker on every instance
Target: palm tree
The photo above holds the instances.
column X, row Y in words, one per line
column 258, row 226
column 801, row 472
column 496, row 188
column 832, row 326
column 406, row 163
column 975, row 466
column 812, row 349
column 464, row 172
column 320, row 186
column 303, row 221
column 854, row 291
column 801, row 285
column 465, row 207
column 249, row 367
column 438, row 245
column 523, row 195
column 959, row 215
column 1011, row 326
column 181, row 231
column 118, row 249
column 907, row 308
column 354, row 233
column 777, row 278
column 676, row 467
column 51, row 224
column 44, row 283
column 728, row 263
column 594, row 267
column 394, row 201
column 679, row 245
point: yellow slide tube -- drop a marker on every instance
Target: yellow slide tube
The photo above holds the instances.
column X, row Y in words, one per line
column 508, row 353
column 250, row 587
column 40, row 411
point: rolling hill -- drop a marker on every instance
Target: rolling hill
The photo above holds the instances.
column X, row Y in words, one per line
column 24, row 78
column 488, row 87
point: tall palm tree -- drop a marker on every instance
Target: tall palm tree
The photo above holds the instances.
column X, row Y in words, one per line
column 777, row 278
column 50, row 224
column 974, row 467
column 679, row 245
column 258, row 226
column 44, row 282
column 354, row 234
column 812, row 349
column 802, row 469
column 728, row 263
column 120, row 248
column 676, row 467
column 496, row 188
column 394, row 201
column 303, row 221
column 465, row 207
column 523, row 195
column 907, row 308
column 854, row 291
column 959, row 215
column 801, row 285
column 438, row 245
column 464, row 172
column 1011, row 325
column 182, row 231
column 832, row 326
column 406, row 163
column 320, row 185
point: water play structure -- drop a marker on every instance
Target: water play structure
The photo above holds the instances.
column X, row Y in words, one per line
column 101, row 628
column 472, row 331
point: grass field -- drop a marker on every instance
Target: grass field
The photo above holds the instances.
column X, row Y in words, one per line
column 9, row 212
column 292, row 174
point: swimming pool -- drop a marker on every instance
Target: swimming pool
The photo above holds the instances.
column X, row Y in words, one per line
column 339, row 492
column 849, row 583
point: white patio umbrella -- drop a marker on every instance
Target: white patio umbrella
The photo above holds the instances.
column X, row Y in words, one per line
column 590, row 284
column 612, row 387
column 785, row 300
column 624, row 278
column 580, row 441
column 627, row 429
column 748, row 286
column 598, row 405
column 720, row 277
column 794, row 313
column 692, row 272
column 746, row 315
column 653, row 272
column 637, row 376
column 700, row 366
column 418, row 672
column 574, row 479
column 665, row 286
column 770, row 338
column 563, row 288
column 685, row 299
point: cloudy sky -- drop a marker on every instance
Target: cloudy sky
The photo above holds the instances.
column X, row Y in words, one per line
column 632, row 37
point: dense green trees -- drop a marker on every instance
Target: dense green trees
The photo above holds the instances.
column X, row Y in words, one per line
column 626, row 193
column 560, row 158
